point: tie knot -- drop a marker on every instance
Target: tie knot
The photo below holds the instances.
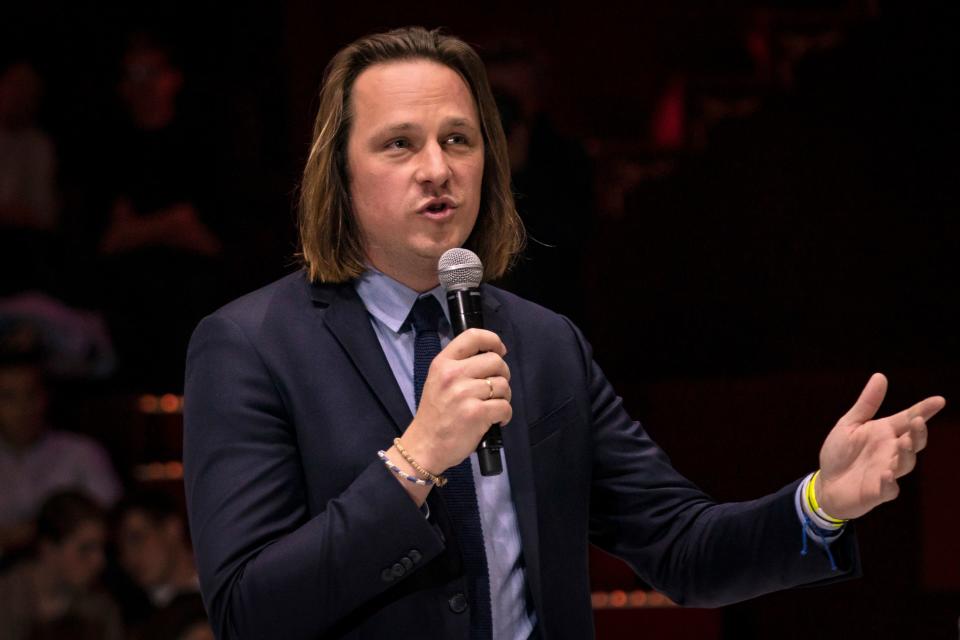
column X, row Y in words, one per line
column 426, row 314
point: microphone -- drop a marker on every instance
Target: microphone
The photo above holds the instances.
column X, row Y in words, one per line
column 460, row 272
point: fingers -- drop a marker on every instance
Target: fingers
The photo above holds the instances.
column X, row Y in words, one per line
column 912, row 436
column 497, row 411
column 926, row 408
column 889, row 489
column 869, row 401
column 485, row 365
column 922, row 411
column 495, row 387
column 474, row 341
column 905, row 457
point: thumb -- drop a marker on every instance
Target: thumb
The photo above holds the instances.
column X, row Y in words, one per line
column 869, row 401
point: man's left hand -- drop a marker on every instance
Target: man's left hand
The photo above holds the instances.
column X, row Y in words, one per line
column 862, row 457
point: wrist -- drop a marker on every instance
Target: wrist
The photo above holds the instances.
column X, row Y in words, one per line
column 418, row 492
column 819, row 500
column 421, row 449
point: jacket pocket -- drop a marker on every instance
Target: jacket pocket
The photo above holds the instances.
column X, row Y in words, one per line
column 552, row 421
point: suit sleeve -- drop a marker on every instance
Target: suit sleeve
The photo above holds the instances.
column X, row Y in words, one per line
column 267, row 567
column 698, row 552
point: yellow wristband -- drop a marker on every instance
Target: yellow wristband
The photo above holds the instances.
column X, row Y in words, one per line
column 812, row 501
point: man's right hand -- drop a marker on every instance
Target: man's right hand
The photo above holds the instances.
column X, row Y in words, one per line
column 456, row 408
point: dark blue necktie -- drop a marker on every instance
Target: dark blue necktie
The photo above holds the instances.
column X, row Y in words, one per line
column 459, row 493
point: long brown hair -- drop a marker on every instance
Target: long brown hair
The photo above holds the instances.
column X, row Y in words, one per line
column 331, row 246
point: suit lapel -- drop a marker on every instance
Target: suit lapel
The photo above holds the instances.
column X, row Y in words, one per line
column 516, row 447
column 348, row 321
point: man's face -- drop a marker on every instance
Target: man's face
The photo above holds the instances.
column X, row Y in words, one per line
column 78, row 558
column 150, row 84
column 147, row 548
column 415, row 164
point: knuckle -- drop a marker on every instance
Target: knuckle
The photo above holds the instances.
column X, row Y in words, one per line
column 473, row 411
column 448, row 375
column 460, row 391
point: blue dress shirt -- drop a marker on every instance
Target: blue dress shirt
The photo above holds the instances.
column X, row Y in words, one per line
column 389, row 303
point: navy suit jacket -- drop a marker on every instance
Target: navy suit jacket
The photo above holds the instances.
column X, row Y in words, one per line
column 301, row 532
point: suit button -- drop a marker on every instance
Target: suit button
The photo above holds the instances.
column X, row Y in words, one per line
column 398, row 570
column 387, row 575
column 406, row 562
column 414, row 555
column 458, row 603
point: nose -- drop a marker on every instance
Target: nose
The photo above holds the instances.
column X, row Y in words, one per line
column 433, row 167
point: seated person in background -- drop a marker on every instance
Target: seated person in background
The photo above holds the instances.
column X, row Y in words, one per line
column 51, row 595
column 158, row 249
column 28, row 198
column 153, row 550
column 36, row 461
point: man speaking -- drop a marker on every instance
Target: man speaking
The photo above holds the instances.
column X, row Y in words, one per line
column 331, row 417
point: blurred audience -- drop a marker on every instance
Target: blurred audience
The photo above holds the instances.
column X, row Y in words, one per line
column 158, row 250
column 154, row 551
column 51, row 595
column 35, row 460
column 29, row 200
column 552, row 178
column 158, row 175
column 75, row 342
column 28, row 195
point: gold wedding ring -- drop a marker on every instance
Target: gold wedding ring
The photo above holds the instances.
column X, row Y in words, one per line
column 489, row 384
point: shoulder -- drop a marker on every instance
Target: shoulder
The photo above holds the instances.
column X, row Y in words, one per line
column 283, row 305
column 72, row 445
column 275, row 322
column 529, row 317
column 252, row 308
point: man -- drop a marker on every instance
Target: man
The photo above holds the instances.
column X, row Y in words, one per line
column 308, row 523
column 153, row 550
column 160, row 211
column 36, row 461
column 53, row 594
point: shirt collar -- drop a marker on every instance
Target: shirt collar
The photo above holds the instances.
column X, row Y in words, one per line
column 389, row 301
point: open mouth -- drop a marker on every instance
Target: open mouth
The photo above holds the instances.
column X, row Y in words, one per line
column 437, row 207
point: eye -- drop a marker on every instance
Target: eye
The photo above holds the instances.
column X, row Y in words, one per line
column 399, row 143
column 456, row 139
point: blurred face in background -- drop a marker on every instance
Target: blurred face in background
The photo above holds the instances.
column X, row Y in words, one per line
column 20, row 90
column 23, row 402
column 148, row 549
column 149, row 87
column 78, row 559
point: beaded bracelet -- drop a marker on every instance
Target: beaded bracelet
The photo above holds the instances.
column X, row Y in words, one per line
column 400, row 472
column 437, row 480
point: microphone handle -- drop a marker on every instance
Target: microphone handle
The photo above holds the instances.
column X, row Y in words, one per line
column 466, row 312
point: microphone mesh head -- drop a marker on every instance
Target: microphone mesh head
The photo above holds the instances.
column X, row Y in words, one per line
column 460, row 269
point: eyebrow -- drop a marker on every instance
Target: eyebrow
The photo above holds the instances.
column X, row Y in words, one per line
column 403, row 127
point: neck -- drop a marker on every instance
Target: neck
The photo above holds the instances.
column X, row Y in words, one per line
column 184, row 574
column 154, row 118
column 420, row 281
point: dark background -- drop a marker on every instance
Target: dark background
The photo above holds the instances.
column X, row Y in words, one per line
column 739, row 278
